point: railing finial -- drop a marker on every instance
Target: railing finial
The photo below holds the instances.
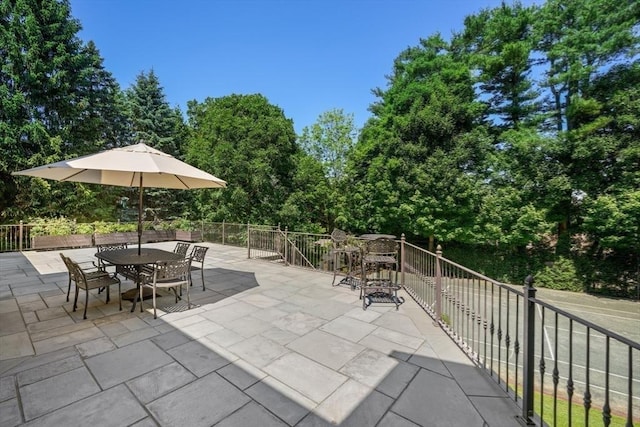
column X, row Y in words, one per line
column 528, row 281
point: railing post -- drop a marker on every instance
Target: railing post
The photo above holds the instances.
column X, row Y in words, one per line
column 286, row 246
column 528, row 331
column 223, row 232
column 438, row 284
column 20, row 231
column 402, row 240
column 248, row 241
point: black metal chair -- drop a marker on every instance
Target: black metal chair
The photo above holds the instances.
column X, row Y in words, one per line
column 342, row 251
column 379, row 281
column 181, row 248
column 198, row 254
column 103, row 265
column 109, row 247
column 90, row 280
column 167, row 274
column 90, row 268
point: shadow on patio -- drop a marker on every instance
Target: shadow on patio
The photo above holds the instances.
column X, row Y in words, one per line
column 266, row 345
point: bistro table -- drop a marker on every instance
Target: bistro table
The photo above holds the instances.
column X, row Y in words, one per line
column 130, row 264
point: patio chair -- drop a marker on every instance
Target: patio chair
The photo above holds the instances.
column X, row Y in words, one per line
column 380, row 273
column 169, row 275
column 90, row 268
column 181, row 248
column 197, row 254
column 87, row 281
column 341, row 251
column 108, row 247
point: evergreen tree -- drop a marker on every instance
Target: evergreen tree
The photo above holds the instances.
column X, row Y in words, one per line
column 153, row 120
column 56, row 101
column 156, row 124
column 577, row 40
column 417, row 165
column 499, row 42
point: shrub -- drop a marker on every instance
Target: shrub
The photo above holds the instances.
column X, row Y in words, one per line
column 562, row 275
column 63, row 226
column 84, row 228
column 51, row 226
column 113, row 227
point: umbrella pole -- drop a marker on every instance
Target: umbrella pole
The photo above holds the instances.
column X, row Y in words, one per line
column 140, row 215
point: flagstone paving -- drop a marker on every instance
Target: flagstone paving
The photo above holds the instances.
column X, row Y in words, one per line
column 264, row 344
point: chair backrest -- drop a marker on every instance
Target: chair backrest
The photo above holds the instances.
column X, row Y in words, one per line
column 172, row 270
column 382, row 246
column 338, row 238
column 77, row 274
column 111, row 247
column 67, row 263
column 198, row 253
column 181, row 248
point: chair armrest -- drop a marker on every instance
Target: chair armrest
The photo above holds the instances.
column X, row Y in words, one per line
column 146, row 277
column 89, row 265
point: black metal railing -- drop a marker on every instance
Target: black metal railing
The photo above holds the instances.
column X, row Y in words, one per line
column 560, row 368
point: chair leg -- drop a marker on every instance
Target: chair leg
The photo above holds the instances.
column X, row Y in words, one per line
column 141, row 297
column 119, row 296
column 68, row 288
column 86, row 302
column 335, row 268
column 202, row 272
column 155, row 316
column 75, row 300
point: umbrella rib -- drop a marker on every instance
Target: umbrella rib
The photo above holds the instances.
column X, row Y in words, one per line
column 183, row 183
column 71, row 176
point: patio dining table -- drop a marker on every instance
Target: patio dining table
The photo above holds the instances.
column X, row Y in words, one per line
column 129, row 263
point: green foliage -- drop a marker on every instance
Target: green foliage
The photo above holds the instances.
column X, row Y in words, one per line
column 102, row 227
column 62, row 226
column 51, row 227
column 180, row 224
column 614, row 220
column 499, row 42
column 321, row 190
column 249, row 143
column 56, row 102
column 418, row 167
column 561, row 275
column 330, row 141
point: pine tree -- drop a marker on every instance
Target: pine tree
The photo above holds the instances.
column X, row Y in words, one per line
column 156, row 124
column 56, row 101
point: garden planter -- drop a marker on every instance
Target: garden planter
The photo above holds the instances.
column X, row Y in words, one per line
column 68, row 241
column 189, row 236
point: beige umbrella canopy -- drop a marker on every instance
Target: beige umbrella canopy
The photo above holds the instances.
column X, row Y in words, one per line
column 133, row 166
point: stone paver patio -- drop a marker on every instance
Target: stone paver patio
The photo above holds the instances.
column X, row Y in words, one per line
column 266, row 345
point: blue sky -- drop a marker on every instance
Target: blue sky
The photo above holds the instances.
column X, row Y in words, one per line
column 305, row 56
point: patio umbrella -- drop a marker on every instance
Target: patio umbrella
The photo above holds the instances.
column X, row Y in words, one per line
column 133, row 166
